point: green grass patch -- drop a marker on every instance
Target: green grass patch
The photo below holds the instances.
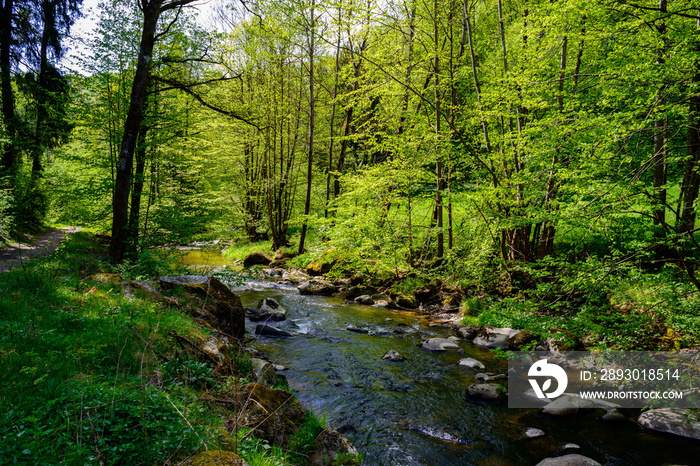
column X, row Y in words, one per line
column 88, row 375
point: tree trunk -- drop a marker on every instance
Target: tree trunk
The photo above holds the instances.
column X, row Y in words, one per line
column 9, row 160
column 659, row 157
column 134, row 214
column 439, row 164
column 312, row 115
column 134, row 118
column 333, row 107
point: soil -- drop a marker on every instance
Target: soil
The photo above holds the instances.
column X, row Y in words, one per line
column 39, row 245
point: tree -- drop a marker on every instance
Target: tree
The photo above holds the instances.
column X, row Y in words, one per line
column 152, row 10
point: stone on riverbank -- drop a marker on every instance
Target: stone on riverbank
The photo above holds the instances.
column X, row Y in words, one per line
column 256, row 258
column 218, row 305
column 295, row 276
column 328, row 446
column 493, row 337
column 273, row 414
column 317, row 287
column 674, row 421
column 264, row 372
column 569, row 460
column 406, row 302
column 468, row 333
column 364, row 299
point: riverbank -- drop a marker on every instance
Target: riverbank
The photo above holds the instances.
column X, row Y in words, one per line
column 99, row 368
column 601, row 303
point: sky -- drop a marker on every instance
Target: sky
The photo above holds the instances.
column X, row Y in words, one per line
column 83, row 27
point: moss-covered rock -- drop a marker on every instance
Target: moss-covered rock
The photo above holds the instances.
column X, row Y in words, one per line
column 522, row 339
column 317, row 287
column 331, row 447
column 323, row 264
column 256, row 258
column 216, row 302
column 273, row 414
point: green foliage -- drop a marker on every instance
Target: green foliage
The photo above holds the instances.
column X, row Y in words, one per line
column 5, row 215
column 151, row 263
column 258, row 452
column 79, row 365
column 302, row 442
column 185, row 370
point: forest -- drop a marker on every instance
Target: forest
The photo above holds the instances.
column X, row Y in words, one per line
column 534, row 164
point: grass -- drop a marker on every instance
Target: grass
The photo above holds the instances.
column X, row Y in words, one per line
column 239, row 250
column 89, row 376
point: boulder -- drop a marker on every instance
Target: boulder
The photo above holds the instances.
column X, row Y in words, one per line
column 569, row 460
column 220, row 305
column 426, row 294
column 264, row 372
column 130, row 287
column 359, row 290
column 568, row 448
column 328, row 446
column 484, row 391
column 532, row 432
column 674, row 421
column 317, row 287
column 406, row 302
column 319, row 267
column 215, row 458
column 256, row 258
column 274, row 415
column 439, row 344
column 217, row 350
column 364, row 299
column 569, row 404
column 489, row 378
column 270, row 331
column 352, row 328
column 295, row 276
column 323, row 264
column 393, row 355
column 268, row 308
column 613, row 415
column 493, row 337
column 468, row 333
column 471, row 363
column 521, row 339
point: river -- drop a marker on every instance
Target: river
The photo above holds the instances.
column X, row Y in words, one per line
column 415, row 412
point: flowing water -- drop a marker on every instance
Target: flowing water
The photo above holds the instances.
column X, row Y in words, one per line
column 414, row 412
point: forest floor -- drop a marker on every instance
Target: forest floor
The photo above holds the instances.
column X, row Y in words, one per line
column 39, row 245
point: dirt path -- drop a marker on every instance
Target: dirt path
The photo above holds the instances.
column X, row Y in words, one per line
column 38, row 246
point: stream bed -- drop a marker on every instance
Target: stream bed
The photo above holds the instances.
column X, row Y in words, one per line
column 414, row 412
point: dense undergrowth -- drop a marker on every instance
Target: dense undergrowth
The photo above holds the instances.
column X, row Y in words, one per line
column 90, row 376
column 606, row 293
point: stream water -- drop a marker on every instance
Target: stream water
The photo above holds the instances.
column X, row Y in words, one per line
column 414, row 412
